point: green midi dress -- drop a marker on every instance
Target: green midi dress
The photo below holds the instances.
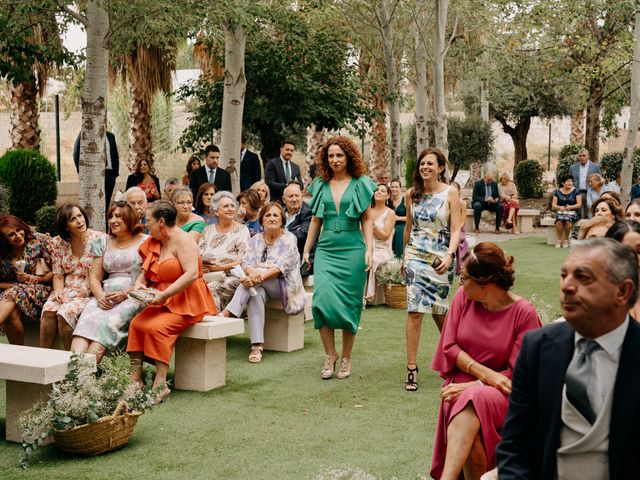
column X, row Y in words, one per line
column 339, row 265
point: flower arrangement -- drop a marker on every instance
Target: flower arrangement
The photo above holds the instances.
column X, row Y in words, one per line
column 83, row 397
column 389, row 273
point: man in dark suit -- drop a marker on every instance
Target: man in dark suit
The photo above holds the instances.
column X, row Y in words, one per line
column 281, row 170
column 210, row 172
column 573, row 410
column 111, row 167
column 485, row 197
column 250, row 171
column 298, row 216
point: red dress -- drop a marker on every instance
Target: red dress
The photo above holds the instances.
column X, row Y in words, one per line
column 492, row 339
column 154, row 331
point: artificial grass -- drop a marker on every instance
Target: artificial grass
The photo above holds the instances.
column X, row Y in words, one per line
column 280, row 420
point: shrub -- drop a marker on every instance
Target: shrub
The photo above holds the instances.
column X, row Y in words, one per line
column 32, row 180
column 45, row 220
column 528, row 179
column 611, row 164
column 564, row 164
column 571, row 149
column 5, row 195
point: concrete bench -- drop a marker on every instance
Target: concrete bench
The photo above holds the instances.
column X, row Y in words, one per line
column 283, row 332
column 307, row 282
column 29, row 373
column 201, row 353
column 524, row 221
column 550, row 224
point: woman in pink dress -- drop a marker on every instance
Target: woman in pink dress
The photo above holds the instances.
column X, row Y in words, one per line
column 476, row 354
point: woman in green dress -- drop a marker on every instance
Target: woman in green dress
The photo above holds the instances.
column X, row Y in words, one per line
column 397, row 199
column 340, row 205
column 187, row 220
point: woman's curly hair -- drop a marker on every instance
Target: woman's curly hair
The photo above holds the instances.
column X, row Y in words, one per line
column 355, row 164
column 418, row 184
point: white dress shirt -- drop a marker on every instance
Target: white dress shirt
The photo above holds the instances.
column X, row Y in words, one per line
column 583, row 176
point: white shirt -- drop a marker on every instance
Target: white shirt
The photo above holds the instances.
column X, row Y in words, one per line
column 583, row 176
column 605, row 361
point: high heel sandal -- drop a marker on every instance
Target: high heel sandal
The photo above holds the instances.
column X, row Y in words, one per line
column 345, row 368
column 136, row 371
column 328, row 367
column 410, row 385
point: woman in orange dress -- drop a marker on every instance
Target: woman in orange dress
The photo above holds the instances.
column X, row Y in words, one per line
column 172, row 265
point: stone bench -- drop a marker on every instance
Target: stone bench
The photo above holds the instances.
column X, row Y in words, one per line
column 307, row 282
column 201, row 353
column 524, row 221
column 550, row 224
column 283, row 332
column 29, row 373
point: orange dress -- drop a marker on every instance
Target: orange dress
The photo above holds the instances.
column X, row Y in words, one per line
column 154, row 331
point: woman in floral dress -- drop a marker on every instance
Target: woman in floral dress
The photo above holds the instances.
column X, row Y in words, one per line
column 104, row 323
column 71, row 258
column 24, row 282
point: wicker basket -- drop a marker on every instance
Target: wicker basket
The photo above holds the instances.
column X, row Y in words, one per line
column 395, row 296
column 107, row 434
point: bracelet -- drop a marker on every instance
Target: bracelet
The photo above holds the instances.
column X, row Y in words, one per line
column 470, row 364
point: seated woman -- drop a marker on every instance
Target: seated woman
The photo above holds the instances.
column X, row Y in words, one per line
column 595, row 227
column 203, row 203
column 272, row 268
column 171, row 264
column 187, row 221
column 263, row 190
column 104, row 323
column 607, row 207
column 509, row 196
column 567, row 203
column 144, row 178
column 25, row 276
column 384, row 219
column 632, row 212
column 71, row 261
column 249, row 210
column 222, row 247
column 476, row 354
column 596, row 188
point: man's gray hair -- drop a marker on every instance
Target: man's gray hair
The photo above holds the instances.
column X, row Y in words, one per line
column 621, row 261
column 180, row 191
column 133, row 190
column 219, row 196
column 584, row 150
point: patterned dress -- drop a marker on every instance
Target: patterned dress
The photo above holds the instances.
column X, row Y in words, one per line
column 29, row 298
column 111, row 327
column 76, row 290
column 427, row 291
column 221, row 249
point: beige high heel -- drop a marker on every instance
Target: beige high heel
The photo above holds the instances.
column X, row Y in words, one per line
column 345, row 368
column 328, row 367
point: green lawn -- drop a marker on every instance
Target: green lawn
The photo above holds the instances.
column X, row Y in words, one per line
column 279, row 420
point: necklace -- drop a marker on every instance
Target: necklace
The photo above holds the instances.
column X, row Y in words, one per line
column 269, row 243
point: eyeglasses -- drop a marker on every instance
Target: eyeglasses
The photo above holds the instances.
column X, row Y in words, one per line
column 464, row 278
column 264, row 254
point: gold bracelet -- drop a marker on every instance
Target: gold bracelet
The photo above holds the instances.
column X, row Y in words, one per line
column 470, row 364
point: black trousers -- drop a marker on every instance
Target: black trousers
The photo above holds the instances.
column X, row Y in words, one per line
column 478, row 207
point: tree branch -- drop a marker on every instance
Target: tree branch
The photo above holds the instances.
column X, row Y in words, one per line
column 508, row 129
column 73, row 14
column 453, row 36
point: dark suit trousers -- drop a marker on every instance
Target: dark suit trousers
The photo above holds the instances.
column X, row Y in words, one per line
column 478, row 207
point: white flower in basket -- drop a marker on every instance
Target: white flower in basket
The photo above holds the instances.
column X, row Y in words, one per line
column 389, row 273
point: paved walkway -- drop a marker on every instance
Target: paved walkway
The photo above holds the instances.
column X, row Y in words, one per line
column 486, row 234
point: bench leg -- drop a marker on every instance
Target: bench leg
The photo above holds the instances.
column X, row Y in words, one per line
column 282, row 332
column 525, row 224
column 20, row 397
column 200, row 365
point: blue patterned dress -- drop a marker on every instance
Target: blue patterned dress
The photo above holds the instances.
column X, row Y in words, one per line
column 427, row 292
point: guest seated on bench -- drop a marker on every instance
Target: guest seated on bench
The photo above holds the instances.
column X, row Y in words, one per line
column 486, row 197
column 187, row 220
column 171, row 264
column 272, row 262
column 104, row 323
column 249, row 211
column 25, row 276
column 298, row 218
column 222, row 247
column 71, row 259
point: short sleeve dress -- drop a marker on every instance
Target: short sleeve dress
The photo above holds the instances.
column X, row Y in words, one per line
column 492, row 339
column 122, row 267
column 565, row 200
column 339, row 264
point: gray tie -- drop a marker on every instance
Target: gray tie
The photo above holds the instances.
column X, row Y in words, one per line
column 287, row 171
column 212, row 176
column 581, row 373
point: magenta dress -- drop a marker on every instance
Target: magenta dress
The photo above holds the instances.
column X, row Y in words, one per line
column 492, row 339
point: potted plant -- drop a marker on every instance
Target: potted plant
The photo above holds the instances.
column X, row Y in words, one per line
column 395, row 290
column 89, row 412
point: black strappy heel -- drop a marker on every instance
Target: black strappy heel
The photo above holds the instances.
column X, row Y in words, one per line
column 411, row 385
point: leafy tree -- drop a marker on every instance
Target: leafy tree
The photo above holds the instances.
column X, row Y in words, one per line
column 470, row 140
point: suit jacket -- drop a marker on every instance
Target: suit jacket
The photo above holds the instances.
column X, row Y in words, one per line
column 479, row 192
column 113, row 151
column 300, row 225
column 531, row 432
column 250, row 171
column 199, row 176
column 274, row 176
column 574, row 171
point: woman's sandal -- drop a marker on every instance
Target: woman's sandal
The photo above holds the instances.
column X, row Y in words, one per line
column 255, row 356
column 345, row 368
column 328, row 367
column 163, row 395
column 410, row 385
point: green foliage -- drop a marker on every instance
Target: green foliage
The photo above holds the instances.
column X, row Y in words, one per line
column 32, row 179
column 389, row 273
column 5, row 195
column 470, row 140
column 564, row 164
column 570, row 149
column 611, row 164
column 528, row 179
column 45, row 220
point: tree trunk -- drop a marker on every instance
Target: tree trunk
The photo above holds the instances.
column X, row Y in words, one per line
column 626, row 175
column 140, row 143
column 94, row 116
column 484, row 101
column 518, row 135
column 577, row 127
column 438, row 76
column 392, row 85
column 422, row 109
column 315, row 139
column 235, row 86
column 594, row 105
column 25, row 132
column 378, row 156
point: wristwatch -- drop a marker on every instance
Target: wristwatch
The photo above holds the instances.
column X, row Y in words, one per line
column 453, row 255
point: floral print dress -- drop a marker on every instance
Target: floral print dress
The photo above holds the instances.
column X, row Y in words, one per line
column 76, row 290
column 427, row 291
